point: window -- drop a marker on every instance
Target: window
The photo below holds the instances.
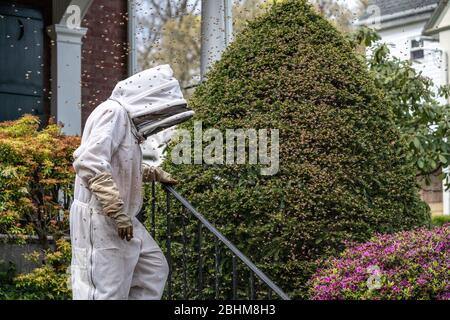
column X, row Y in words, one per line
column 417, row 54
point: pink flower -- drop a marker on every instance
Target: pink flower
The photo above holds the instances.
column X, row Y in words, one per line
column 406, row 263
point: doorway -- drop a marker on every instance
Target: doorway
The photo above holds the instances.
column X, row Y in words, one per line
column 22, row 60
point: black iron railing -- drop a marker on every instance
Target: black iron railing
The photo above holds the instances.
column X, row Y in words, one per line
column 211, row 281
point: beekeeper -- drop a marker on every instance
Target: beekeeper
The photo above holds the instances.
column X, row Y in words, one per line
column 113, row 255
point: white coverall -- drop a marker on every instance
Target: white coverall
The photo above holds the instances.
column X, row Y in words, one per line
column 104, row 266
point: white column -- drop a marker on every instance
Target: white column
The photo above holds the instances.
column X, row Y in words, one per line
column 444, row 36
column 216, row 31
column 66, row 76
column 445, row 202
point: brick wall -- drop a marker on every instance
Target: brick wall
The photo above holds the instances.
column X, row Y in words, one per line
column 104, row 52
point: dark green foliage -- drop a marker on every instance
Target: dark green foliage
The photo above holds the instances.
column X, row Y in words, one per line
column 343, row 173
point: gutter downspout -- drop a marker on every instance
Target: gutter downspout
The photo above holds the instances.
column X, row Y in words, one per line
column 216, row 32
column 132, row 58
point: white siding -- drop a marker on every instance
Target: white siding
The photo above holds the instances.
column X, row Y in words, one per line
column 399, row 39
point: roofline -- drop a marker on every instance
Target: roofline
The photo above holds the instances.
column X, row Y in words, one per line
column 434, row 31
column 435, row 17
column 398, row 15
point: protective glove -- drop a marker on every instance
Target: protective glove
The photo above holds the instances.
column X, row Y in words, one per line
column 105, row 190
column 151, row 174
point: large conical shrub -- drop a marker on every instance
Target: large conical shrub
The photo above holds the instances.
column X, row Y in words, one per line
column 343, row 174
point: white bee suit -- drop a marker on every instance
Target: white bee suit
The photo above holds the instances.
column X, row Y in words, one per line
column 104, row 266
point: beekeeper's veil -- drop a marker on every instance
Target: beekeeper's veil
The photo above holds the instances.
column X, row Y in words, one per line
column 153, row 100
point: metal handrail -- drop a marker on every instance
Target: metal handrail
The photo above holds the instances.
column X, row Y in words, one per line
column 237, row 253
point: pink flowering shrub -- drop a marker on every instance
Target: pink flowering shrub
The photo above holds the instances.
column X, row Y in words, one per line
column 405, row 265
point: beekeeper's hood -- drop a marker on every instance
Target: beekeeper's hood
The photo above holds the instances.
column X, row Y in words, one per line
column 153, row 100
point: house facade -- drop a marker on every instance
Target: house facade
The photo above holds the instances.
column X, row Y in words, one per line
column 61, row 58
column 438, row 27
column 419, row 31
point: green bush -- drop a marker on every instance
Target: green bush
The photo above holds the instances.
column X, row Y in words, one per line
column 343, row 171
column 416, row 103
column 35, row 166
column 47, row 282
column 438, row 221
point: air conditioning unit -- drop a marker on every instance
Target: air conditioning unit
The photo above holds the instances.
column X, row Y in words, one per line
column 420, row 45
column 417, row 49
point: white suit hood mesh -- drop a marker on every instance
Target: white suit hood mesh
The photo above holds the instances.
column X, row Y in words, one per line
column 153, row 100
